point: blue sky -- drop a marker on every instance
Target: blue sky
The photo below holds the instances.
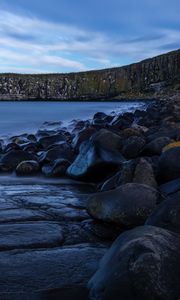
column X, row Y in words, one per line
column 39, row 36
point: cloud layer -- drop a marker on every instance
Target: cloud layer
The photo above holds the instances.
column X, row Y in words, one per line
column 30, row 43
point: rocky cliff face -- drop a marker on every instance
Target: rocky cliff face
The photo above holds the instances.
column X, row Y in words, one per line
column 139, row 79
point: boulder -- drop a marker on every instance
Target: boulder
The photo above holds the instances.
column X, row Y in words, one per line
column 63, row 150
column 10, row 160
column 133, row 146
column 142, row 263
column 169, row 165
column 57, row 168
column 98, row 157
column 27, row 167
column 47, row 141
column 128, row 205
column 82, row 136
column 167, row 214
column 155, row 146
column 170, row 187
column 144, row 173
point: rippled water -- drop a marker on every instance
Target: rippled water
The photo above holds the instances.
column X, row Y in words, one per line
column 21, row 117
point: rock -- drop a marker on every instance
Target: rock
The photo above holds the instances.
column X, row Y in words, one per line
column 144, row 174
column 82, row 136
column 52, row 139
column 99, row 115
column 169, row 165
column 13, row 158
column 63, row 151
column 58, row 168
column 129, row 205
column 170, row 187
column 10, row 147
column 155, row 147
column 133, row 146
column 167, row 214
column 171, row 145
column 98, row 157
column 28, row 167
column 142, row 263
column 125, row 175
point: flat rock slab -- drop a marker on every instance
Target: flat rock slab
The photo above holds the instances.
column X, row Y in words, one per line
column 37, row 270
column 20, row 214
column 30, row 235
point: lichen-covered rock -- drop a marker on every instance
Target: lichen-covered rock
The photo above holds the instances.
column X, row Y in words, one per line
column 129, row 205
column 144, row 173
column 27, row 167
column 171, row 145
column 142, row 263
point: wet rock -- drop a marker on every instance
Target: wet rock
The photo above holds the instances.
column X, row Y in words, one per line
column 144, row 174
column 62, row 150
column 28, row 167
column 57, row 168
column 167, row 214
column 125, row 175
column 52, row 139
column 122, row 121
column 142, row 263
column 170, row 187
column 99, row 115
column 10, row 147
column 11, row 159
column 133, row 146
column 30, row 147
column 82, row 136
column 98, row 157
column 21, row 214
column 155, row 147
column 129, row 205
column 169, row 165
column 30, row 235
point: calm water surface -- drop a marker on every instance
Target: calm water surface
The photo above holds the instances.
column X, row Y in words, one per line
column 23, row 117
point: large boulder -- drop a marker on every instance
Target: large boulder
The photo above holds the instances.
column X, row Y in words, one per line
column 169, row 165
column 142, row 263
column 129, row 205
column 57, row 169
column 28, row 167
column 82, row 136
column 167, row 214
column 63, row 150
column 133, row 146
column 98, row 157
column 155, row 146
column 47, row 141
column 144, row 173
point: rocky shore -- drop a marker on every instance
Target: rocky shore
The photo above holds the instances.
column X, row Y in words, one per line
column 124, row 203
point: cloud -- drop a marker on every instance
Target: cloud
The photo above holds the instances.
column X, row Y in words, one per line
column 30, row 44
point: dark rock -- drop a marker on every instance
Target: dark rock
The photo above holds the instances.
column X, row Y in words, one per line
column 133, row 146
column 52, row 139
column 144, row 173
column 129, row 205
column 10, row 147
column 142, row 263
column 82, row 136
column 125, row 175
column 57, row 168
column 62, row 150
column 28, row 167
column 155, row 147
column 99, row 115
column 169, row 165
column 98, row 157
column 170, row 187
column 167, row 214
column 11, row 159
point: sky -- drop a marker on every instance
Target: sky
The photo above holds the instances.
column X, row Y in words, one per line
column 40, row 36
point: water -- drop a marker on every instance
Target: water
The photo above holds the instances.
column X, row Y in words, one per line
column 27, row 117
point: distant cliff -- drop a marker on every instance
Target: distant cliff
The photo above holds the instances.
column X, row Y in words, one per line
column 140, row 79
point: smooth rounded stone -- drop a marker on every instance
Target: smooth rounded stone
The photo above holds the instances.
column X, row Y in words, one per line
column 30, row 235
column 142, row 263
column 99, row 115
column 155, row 147
column 63, row 150
column 128, row 205
column 144, row 174
column 82, row 136
column 167, row 214
column 133, row 146
column 10, row 147
column 98, row 158
column 170, row 187
column 169, row 165
column 30, row 147
column 27, row 167
column 128, row 132
column 122, row 121
column 172, row 133
column 32, row 138
column 47, row 269
column 125, row 175
column 19, row 139
column 99, row 123
column 13, row 158
column 52, row 139
column 79, row 125
column 57, row 168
